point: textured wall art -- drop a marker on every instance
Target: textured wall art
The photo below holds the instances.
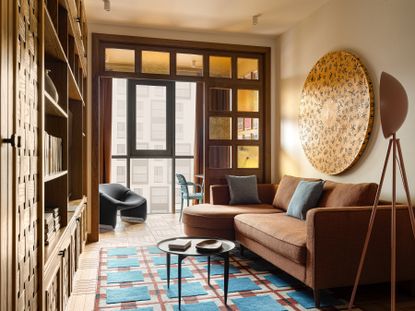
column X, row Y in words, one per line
column 336, row 112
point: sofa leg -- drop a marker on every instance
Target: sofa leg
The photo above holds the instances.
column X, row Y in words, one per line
column 316, row 293
column 241, row 249
column 412, row 288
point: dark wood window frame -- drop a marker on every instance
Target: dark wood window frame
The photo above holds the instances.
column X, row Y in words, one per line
column 131, row 120
column 102, row 41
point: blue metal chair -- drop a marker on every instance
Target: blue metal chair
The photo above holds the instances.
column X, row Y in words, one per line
column 186, row 195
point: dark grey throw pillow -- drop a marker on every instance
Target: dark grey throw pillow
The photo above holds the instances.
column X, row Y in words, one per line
column 243, row 189
column 305, row 197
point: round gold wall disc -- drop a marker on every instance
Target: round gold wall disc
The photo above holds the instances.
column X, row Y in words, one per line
column 336, row 112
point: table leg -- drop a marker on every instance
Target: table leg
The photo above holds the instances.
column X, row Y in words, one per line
column 208, row 269
column 226, row 277
column 168, row 270
column 179, row 272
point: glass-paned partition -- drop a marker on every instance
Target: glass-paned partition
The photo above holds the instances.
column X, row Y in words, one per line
column 155, row 62
column 248, row 68
column 189, row 64
column 248, row 100
column 122, row 60
column 220, row 67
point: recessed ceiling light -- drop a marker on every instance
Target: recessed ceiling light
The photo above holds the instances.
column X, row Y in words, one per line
column 107, row 5
column 255, row 19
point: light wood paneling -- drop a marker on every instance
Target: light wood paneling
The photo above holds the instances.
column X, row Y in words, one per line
column 26, row 157
column 6, row 115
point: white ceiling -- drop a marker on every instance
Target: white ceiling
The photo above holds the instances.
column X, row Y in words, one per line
column 204, row 15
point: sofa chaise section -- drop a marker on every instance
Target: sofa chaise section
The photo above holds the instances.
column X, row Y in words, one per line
column 217, row 219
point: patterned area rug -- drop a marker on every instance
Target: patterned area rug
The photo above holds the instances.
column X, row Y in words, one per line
column 134, row 278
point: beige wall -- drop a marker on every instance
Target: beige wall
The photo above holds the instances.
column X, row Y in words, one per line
column 382, row 34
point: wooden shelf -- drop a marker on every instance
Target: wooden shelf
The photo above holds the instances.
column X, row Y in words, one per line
column 74, row 92
column 57, row 239
column 52, row 108
column 54, row 176
column 53, row 46
column 74, row 30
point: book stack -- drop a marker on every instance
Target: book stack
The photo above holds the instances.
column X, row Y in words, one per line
column 52, row 224
column 53, row 154
column 180, row 244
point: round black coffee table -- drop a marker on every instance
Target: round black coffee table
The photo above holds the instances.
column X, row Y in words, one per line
column 223, row 252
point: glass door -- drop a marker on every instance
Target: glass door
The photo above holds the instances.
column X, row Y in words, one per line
column 150, row 142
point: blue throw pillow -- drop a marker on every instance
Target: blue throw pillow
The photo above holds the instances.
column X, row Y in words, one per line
column 305, row 197
column 243, row 189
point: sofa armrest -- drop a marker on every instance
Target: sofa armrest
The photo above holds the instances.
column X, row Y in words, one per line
column 335, row 238
column 219, row 194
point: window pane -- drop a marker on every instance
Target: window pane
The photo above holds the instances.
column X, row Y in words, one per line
column 220, row 157
column 139, row 172
column 119, row 117
column 220, row 128
column 119, row 171
column 248, row 68
column 248, row 128
column 220, row 66
column 151, row 178
column 248, row 156
column 189, row 64
column 185, row 117
column 151, row 125
column 155, row 62
column 119, row 60
column 220, row 99
column 248, row 100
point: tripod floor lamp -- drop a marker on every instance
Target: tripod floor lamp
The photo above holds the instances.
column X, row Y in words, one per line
column 393, row 111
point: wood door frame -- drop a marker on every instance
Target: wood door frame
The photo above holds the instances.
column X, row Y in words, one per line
column 100, row 40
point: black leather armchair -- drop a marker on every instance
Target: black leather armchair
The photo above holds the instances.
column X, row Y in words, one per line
column 116, row 197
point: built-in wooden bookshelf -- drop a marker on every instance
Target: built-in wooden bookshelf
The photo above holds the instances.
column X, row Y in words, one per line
column 64, row 55
column 44, row 203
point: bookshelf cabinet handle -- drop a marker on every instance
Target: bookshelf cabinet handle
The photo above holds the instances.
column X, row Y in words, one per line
column 62, row 253
column 14, row 141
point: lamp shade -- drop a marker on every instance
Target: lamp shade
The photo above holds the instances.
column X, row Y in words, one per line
column 393, row 104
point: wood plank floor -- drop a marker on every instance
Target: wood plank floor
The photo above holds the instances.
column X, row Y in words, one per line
column 161, row 226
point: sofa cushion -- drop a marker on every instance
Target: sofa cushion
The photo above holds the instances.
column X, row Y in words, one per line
column 341, row 194
column 305, row 197
column 219, row 194
column 286, row 189
column 221, row 216
column 280, row 233
column 243, row 189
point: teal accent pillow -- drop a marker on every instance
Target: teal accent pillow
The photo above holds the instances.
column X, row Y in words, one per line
column 243, row 189
column 305, row 197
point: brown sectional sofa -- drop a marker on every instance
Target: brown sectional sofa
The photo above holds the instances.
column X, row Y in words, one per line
column 217, row 219
column 323, row 251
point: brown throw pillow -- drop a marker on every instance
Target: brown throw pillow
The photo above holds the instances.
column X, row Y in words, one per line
column 340, row 194
column 286, row 189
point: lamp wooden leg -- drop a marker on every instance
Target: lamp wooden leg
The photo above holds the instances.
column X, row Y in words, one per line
column 370, row 227
column 406, row 186
column 393, row 228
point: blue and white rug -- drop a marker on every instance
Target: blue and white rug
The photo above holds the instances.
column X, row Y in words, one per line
column 134, row 278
